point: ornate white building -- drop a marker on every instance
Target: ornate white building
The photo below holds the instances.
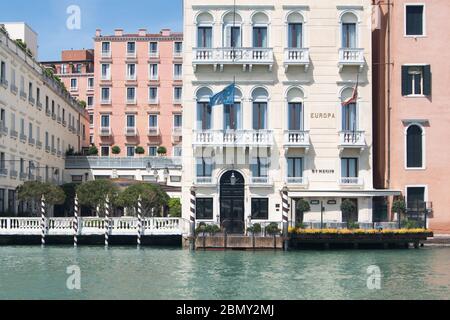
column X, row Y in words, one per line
column 288, row 131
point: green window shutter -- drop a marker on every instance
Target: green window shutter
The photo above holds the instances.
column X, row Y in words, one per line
column 427, row 80
column 406, row 83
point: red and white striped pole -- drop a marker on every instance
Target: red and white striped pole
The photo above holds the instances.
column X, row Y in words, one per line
column 106, row 221
column 192, row 216
column 139, row 224
column 43, row 221
column 75, row 221
column 285, row 201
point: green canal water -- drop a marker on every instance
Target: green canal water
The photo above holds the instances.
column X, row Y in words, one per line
column 129, row 273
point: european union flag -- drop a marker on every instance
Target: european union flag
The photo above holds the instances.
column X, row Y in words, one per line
column 226, row 96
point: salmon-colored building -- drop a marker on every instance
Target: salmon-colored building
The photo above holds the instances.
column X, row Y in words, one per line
column 411, row 105
column 138, row 93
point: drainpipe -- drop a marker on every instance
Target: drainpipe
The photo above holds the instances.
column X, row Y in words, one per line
column 389, row 96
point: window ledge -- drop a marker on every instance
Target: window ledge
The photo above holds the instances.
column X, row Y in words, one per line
column 416, row 96
column 416, row 36
column 415, row 169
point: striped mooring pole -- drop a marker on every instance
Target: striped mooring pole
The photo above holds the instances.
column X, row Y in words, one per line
column 193, row 207
column 75, row 221
column 106, row 221
column 139, row 224
column 43, row 221
column 285, row 200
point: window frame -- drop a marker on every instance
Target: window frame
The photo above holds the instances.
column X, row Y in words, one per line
column 210, row 201
column 424, row 20
column 259, row 200
column 423, row 167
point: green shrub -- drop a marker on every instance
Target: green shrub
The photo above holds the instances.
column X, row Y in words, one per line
column 411, row 224
column 174, row 208
column 255, row 228
column 93, row 151
column 301, row 226
column 353, row 225
column 162, row 150
column 139, row 150
column 273, row 229
column 115, row 150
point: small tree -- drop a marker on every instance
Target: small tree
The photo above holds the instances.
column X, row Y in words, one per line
column 33, row 191
column 174, row 208
column 115, row 150
column 348, row 208
column 83, row 104
column 94, row 193
column 153, row 197
column 93, row 151
column 399, row 207
column 302, row 207
column 139, row 150
column 162, row 151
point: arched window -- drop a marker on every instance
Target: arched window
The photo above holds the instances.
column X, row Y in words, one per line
column 204, row 110
column 414, row 147
column 349, row 22
column 232, row 118
column 295, row 30
column 349, row 113
column 260, row 22
column 205, row 22
column 260, row 98
column 232, row 33
column 295, row 109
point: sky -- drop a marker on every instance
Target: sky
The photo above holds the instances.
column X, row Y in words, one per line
column 49, row 19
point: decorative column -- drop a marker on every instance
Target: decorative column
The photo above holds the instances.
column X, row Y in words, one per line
column 43, row 221
column 193, row 208
column 106, row 221
column 139, row 224
column 75, row 222
column 285, row 200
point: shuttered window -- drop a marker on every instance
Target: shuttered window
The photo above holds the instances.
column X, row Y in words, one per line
column 414, row 20
column 416, row 80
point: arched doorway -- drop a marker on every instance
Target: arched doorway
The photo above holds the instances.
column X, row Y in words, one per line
column 232, row 194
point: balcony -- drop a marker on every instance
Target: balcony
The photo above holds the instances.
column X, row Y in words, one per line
column 64, row 123
column 296, row 57
column 23, row 138
column 130, row 131
column 105, row 101
column 14, row 89
column 105, row 132
column 3, row 172
column 39, row 105
column 123, row 162
column 4, row 83
column 3, row 129
column 105, row 77
column 297, row 181
column 352, row 140
column 53, row 116
column 106, row 54
column 296, row 139
column 131, row 101
column 351, row 182
column 38, row 144
column 177, row 77
column 153, row 101
column 31, row 100
column 48, row 112
column 351, row 57
column 153, row 54
column 131, row 55
column 59, row 154
column 53, row 151
column 247, row 57
column 23, row 176
column 47, row 149
column 31, row 141
column 23, row 95
column 58, row 119
column 260, row 182
column 13, row 174
column 153, row 132
column 235, row 138
column 204, row 181
column 13, row 133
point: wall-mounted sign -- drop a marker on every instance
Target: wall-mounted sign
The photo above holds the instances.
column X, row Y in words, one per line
column 315, row 202
column 323, row 171
column 323, row 115
column 331, row 202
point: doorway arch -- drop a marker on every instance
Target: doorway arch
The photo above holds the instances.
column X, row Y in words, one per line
column 232, row 204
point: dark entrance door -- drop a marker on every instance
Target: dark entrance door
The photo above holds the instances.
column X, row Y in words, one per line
column 232, row 202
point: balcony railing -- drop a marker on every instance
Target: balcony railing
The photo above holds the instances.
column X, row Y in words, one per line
column 221, row 56
column 351, row 57
column 53, row 150
column 352, row 139
column 130, row 131
column 31, row 141
column 31, row 100
column 177, row 131
column 4, row 83
column 300, row 181
column 39, row 105
column 47, row 149
column 296, row 138
column 296, row 57
column 23, row 176
column 106, row 54
column 48, row 112
column 23, row 95
column 153, row 100
column 123, row 162
column 153, row 54
column 131, row 101
column 14, row 89
column 264, row 181
column 23, row 137
column 3, row 129
column 13, row 174
column 351, row 181
column 38, row 144
column 204, row 181
column 131, row 54
column 105, row 131
column 13, row 133
column 153, row 131
column 3, row 172
column 131, row 77
column 233, row 137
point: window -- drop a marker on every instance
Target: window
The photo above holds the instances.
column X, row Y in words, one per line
column 295, row 114
column 38, row 95
column 153, row 121
column 414, row 20
column 73, row 84
column 153, row 94
column 416, row 80
column 233, row 36
column 2, row 118
column 131, row 48
column 177, row 120
column 204, row 113
column 131, row 71
column 178, row 47
column 13, row 77
column 153, row 48
column 130, row 151
column 260, row 208
column 349, row 117
column 2, row 72
column 177, row 151
column 152, row 151
column 177, row 71
column 106, row 74
column 177, row 94
column 2, row 200
column 260, row 37
column 204, row 167
column 415, row 199
column 104, row 121
column 131, row 120
column 204, row 209
column 204, row 37
column 348, row 35
column 131, row 95
column 30, row 130
column 90, row 84
column 46, row 140
column 106, row 48
column 295, row 36
column 105, row 95
column 77, row 68
column 153, row 71
column 105, row 151
column 63, row 68
column 11, row 201
column 259, row 167
column 259, row 115
column 295, row 167
column 90, row 101
column 414, row 147
column 232, row 116
column 349, row 167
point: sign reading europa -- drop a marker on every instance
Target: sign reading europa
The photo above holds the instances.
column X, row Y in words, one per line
column 322, row 115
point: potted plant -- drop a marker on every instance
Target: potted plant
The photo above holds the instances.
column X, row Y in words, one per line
column 162, row 151
column 254, row 229
column 115, row 150
column 302, row 207
column 93, row 151
column 399, row 207
column 139, row 150
column 348, row 208
column 272, row 229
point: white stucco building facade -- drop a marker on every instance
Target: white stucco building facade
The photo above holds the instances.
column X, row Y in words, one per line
column 294, row 65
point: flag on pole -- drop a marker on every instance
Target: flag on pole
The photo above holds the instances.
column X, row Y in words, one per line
column 354, row 96
column 226, row 96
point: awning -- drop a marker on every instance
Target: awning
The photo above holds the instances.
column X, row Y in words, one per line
column 342, row 193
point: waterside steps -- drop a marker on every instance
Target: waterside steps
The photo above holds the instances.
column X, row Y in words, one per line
column 93, row 231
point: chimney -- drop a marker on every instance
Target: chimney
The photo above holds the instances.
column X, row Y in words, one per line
column 118, row 32
column 98, row 32
column 142, row 32
column 165, row 32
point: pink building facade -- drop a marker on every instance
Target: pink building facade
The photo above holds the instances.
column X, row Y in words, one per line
column 138, row 93
column 413, row 115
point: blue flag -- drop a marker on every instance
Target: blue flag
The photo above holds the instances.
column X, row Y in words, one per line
column 226, row 96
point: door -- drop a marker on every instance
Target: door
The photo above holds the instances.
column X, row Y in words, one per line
column 232, row 202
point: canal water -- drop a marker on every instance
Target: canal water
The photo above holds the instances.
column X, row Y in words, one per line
column 129, row 273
